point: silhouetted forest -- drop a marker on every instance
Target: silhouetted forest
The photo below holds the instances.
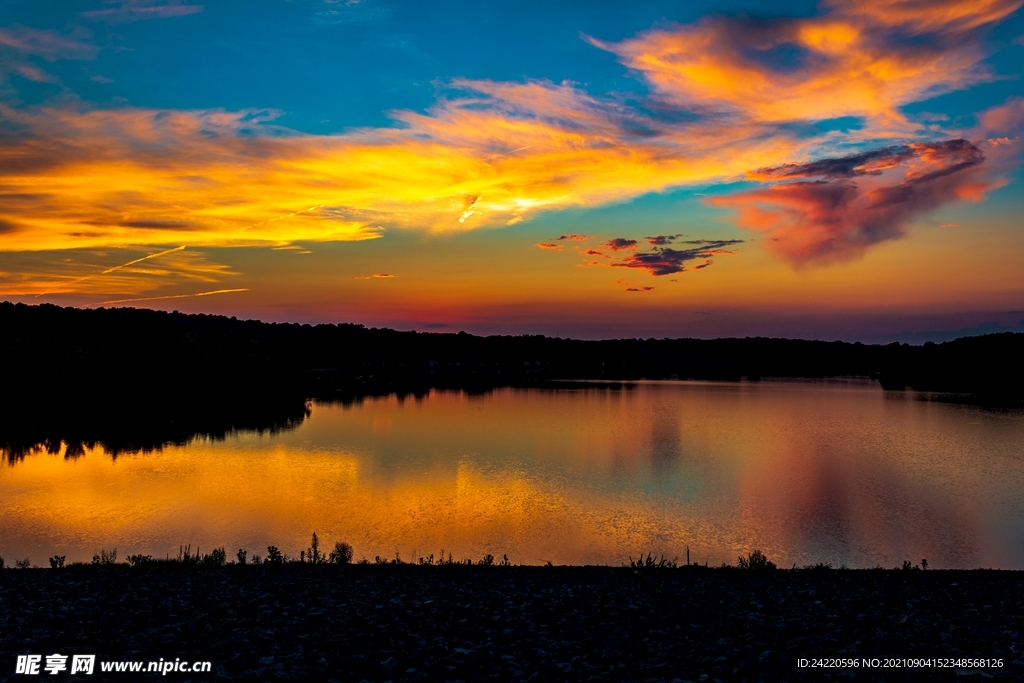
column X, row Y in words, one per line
column 152, row 377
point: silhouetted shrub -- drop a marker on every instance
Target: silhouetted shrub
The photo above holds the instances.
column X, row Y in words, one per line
column 342, row 553
column 217, row 558
column 756, row 560
column 241, row 556
column 487, row 561
column 137, row 560
column 22, row 564
column 57, row 561
column 105, row 557
column 274, row 555
column 1, row 563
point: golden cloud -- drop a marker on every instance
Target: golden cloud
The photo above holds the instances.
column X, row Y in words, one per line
column 79, row 179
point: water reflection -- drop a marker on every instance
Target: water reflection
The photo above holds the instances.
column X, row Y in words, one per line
column 119, row 431
column 808, row 472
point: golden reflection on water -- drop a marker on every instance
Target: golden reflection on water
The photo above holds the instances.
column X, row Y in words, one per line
column 807, row 472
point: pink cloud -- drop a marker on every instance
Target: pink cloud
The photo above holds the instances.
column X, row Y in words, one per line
column 841, row 206
column 49, row 45
column 126, row 11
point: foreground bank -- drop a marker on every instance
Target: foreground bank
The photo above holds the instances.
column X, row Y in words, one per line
column 412, row 623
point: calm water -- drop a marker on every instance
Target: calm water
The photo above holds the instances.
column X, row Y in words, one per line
column 808, row 472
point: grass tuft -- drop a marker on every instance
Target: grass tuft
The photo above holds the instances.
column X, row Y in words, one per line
column 650, row 563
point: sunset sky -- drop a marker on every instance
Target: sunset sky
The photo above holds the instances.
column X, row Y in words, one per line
column 835, row 170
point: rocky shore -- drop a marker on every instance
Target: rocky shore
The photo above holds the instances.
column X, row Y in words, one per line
column 412, row 623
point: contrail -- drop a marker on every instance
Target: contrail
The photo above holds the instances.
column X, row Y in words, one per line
column 132, row 263
column 175, row 296
column 115, row 268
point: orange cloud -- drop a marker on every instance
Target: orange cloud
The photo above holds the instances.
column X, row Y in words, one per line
column 854, row 60
column 933, row 16
column 549, row 245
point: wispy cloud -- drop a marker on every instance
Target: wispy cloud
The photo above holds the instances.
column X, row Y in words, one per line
column 662, row 240
column 50, row 45
column 33, row 73
column 549, row 245
column 350, row 12
column 576, row 238
column 633, row 287
column 124, row 11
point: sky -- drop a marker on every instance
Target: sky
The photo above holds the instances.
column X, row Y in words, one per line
column 826, row 170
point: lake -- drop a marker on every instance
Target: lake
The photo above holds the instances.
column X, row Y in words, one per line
column 832, row 471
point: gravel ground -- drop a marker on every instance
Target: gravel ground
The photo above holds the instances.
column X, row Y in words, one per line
column 411, row 623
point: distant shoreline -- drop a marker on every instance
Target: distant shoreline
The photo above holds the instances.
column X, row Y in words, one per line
column 138, row 380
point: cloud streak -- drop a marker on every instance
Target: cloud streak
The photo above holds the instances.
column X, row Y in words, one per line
column 50, row 45
column 176, row 296
column 124, row 11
